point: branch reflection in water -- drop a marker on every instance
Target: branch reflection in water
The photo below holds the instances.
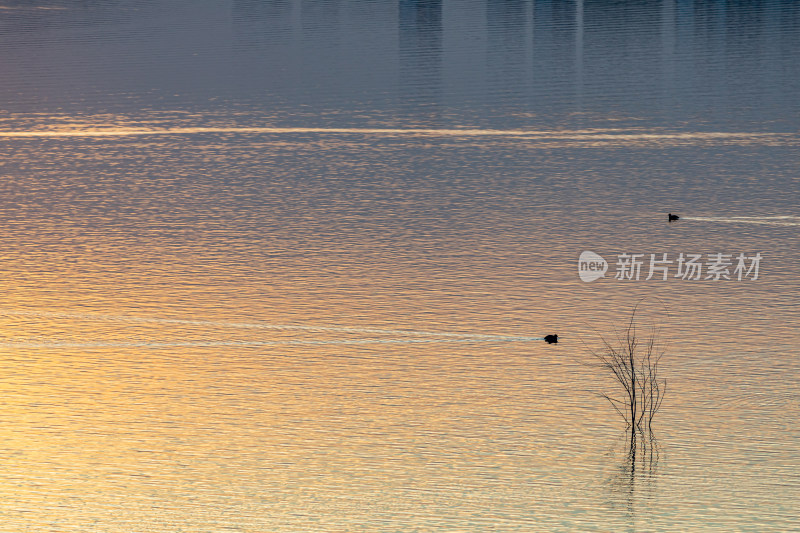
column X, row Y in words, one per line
column 635, row 474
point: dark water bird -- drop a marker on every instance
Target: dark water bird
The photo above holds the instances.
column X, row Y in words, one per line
column 672, row 217
column 551, row 339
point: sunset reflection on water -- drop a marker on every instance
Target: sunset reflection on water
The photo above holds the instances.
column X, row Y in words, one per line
column 287, row 266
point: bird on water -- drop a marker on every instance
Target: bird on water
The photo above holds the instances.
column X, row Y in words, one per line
column 672, row 217
column 551, row 339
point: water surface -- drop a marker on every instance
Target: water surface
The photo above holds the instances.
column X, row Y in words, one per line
column 230, row 228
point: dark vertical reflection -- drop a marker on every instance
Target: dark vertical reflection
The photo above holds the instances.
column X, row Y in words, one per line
column 579, row 28
column 261, row 23
column 263, row 45
column 769, row 47
column 320, row 16
column 684, row 24
column 420, row 43
column 553, row 54
column 321, row 28
column 505, row 54
column 668, row 42
column 621, row 48
column 325, row 74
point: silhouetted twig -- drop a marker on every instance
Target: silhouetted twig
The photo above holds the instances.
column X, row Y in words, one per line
column 634, row 362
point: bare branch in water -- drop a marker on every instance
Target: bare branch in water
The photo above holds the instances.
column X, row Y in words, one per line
column 634, row 363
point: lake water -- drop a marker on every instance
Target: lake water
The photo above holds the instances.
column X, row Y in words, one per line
column 284, row 265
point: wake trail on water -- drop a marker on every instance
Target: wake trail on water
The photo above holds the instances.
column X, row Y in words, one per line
column 782, row 220
column 28, row 343
column 406, row 336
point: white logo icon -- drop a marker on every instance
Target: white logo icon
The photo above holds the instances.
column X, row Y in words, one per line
column 591, row 266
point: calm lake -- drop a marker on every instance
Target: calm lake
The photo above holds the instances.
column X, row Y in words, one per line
column 286, row 265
